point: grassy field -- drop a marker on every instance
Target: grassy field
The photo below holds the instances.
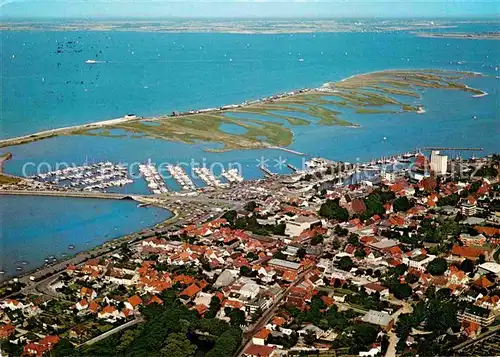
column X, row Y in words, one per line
column 271, row 122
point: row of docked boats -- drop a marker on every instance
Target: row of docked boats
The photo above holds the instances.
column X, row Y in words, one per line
column 180, row 175
column 88, row 177
column 155, row 182
column 207, row 176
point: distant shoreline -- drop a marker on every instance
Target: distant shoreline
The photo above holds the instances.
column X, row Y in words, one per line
column 231, row 26
column 129, row 119
column 461, row 35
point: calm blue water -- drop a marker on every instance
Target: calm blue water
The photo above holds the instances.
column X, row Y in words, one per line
column 34, row 229
column 46, row 84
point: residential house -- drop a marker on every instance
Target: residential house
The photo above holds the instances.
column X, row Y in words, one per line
column 133, row 302
column 379, row 318
column 261, row 336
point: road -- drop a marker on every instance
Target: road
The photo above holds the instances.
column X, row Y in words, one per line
column 113, row 331
column 52, row 272
column 73, row 194
column 149, row 199
column 65, row 130
column 393, row 339
column 264, row 319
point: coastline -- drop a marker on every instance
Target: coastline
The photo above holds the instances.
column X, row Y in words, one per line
column 244, row 106
column 460, row 35
column 84, row 255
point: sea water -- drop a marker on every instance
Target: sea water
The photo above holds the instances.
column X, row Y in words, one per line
column 46, row 84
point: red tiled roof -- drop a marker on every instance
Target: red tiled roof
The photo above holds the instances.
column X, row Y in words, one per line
column 278, row 320
column 376, row 287
column 358, row 206
column 289, row 275
column 483, row 282
column 134, row 300
column 201, row 309
column 49, row 340
column 263, row 333
column 191, row 290
column 232, row 303
column 93, row 306
column 7, row 330
column 489, row 231
column 260, row 351
column 109, row 309
column 155, row 299
column 329, row 301
column 86, row 291
column 470, row 252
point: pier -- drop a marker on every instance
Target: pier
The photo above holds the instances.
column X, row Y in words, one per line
column 291, row 151
column 267, row 171
column 180, row 175
column 155, row 183
column 451, row 149
column 88, row 177
column 207, row 176
column 233, row 176
column 72, row 194
column 291, row 167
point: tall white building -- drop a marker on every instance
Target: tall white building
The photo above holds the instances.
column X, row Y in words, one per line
column 439, row 163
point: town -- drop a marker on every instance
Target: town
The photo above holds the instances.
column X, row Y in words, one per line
column 284, row 266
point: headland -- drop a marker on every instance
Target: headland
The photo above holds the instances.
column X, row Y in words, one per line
column 269, row 122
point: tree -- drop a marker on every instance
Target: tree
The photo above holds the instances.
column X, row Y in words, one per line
column 279, row 229
column 400, row 269
column 360, row 253
column 177, row 345
column 62, row 348
column 481, row 259
column 213, row 308
column 245, row 271
column 336, row 244
column 411, row 278
column 250, row 206
column 437, row 267
column 402, row 291
column 230, row 216
column 467, row 265
column 310, row 337
column 401, row 204
column 236, row 316
column 362, row 336
column 332, row 210
column 317, row 239
column 374, row 204
column 226, row 344
column 341, row 232
column 126, row 340
column 301, row 253
column 353, row 239
column 346, row 263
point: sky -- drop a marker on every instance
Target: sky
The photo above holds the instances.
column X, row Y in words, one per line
column 96, row 9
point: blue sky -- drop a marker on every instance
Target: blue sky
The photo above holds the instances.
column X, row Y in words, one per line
column 248, row 8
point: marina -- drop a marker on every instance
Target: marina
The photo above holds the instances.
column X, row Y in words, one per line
column 179, row 174
column 208, row 177
column 232, row 175
column 155, row 182
column 89, row 177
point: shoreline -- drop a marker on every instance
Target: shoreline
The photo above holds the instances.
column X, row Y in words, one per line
column 72, row 130
column 494, row 36
column 39, row 272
